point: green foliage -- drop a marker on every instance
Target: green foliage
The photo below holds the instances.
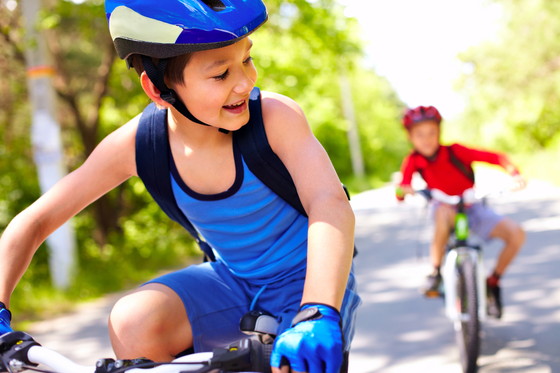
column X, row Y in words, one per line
column 302, row 52
column 514, row 87
column 541, row 165
column 378, row 112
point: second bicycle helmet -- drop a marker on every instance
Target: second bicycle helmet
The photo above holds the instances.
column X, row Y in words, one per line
column 420, row 114
column 169, row 28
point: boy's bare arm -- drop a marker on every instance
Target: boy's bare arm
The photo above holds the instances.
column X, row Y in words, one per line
column 331, row 219
column 111, row 163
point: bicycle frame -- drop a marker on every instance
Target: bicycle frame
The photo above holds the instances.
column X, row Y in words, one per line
column 457, row 252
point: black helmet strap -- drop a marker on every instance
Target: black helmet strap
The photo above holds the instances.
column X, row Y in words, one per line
column 156, row 75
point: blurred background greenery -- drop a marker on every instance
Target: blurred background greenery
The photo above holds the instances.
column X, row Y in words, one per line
column 304, row 51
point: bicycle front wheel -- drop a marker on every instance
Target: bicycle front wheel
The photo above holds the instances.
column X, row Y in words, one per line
column 467, row 327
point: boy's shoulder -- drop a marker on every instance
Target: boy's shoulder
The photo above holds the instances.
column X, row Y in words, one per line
column 458, row 146
column 460, row 150
column 132, row 124
column 412, row 154
column 277, row 104
column 126, row 133
column 283, row 119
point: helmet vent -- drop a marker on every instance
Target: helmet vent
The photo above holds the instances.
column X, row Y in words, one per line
column 215, row 5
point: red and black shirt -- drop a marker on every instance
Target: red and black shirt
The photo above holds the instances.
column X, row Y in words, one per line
column 442, row 172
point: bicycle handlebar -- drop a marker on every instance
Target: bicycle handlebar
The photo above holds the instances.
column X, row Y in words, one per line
column 468, row 197
column 54, row 360
column 19, row 351
column 60, row 364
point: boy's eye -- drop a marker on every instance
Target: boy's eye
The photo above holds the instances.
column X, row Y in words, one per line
column 222, row 76
column 226, row 73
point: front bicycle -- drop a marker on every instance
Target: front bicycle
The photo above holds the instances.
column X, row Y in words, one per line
column 20, row 352
column 464, row 289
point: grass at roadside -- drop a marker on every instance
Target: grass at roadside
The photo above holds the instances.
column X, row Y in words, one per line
column 542, row 165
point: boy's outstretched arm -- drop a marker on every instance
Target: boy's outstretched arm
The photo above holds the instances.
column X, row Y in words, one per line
column 111, row 163
column 497, row 158
column 330, row 240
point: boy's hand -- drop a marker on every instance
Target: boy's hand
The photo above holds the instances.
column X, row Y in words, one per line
column 5, row 318
column 313, row 344
column 402, row 190
column 519, row 182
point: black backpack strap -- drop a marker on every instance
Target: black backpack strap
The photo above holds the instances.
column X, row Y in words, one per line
column 465, row 170
column 152, row 164
column 261, row 159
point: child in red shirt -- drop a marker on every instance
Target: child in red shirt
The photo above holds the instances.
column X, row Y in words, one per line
column 448, row 168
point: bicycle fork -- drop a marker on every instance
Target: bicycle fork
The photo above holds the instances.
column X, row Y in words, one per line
column 450, row 275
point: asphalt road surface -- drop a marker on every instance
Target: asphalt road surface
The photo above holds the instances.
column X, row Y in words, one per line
column 398, row 330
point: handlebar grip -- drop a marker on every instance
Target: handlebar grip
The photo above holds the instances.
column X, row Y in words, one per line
column 399, row 193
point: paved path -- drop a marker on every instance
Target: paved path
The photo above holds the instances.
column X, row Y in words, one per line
column 82, row 335
column 398, row 330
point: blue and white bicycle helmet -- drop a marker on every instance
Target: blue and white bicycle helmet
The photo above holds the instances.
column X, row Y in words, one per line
column 169, row 28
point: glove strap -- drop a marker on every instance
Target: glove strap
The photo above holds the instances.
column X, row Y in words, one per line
column 311, row 311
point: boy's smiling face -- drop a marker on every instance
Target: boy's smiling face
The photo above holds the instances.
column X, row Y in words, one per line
column 218, row 83
column 424, row 137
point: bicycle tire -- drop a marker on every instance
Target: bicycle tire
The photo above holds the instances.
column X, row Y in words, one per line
column 467, row 328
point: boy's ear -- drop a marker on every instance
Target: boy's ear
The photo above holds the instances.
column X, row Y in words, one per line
column 151, row 91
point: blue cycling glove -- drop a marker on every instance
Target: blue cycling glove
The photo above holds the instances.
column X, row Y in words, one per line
column 313, row 344
column 5, row 318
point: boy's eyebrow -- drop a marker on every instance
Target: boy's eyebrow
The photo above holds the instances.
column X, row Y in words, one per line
column 225, row 60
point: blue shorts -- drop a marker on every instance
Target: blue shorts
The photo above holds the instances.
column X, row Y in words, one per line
column 215, row 300
column 482, row 219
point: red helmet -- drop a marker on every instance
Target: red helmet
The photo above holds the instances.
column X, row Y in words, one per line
column 420, row 114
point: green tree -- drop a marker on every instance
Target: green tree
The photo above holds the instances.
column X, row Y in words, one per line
column 514, row 87
column 300, row 52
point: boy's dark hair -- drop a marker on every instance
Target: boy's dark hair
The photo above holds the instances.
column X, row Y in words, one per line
column 173, row 72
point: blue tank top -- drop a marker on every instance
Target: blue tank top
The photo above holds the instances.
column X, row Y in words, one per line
column 258, row 235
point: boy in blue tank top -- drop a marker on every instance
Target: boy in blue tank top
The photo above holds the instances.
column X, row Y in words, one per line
column 194, row 62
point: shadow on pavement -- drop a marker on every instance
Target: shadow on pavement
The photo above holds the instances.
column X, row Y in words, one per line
column 399, row 331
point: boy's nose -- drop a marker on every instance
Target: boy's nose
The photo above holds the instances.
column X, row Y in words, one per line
column 245, row 83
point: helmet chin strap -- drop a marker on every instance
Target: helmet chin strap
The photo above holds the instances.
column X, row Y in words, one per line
column 156, row 75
